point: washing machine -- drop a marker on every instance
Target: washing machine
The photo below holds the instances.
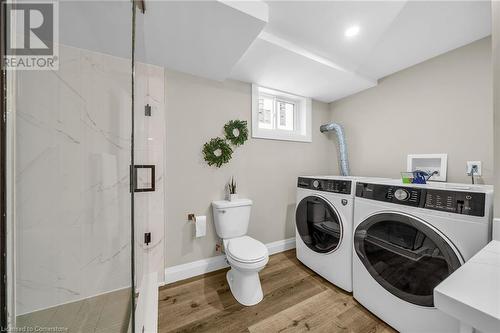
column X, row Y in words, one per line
column 407, row 239
column 323, row 218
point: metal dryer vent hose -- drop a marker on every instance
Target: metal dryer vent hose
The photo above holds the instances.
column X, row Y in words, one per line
column 337, row 128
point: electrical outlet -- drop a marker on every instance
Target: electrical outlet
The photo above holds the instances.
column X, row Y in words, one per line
column 470, row 164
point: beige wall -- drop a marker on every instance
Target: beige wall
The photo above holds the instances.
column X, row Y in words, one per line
column 265, row 170
column 442, row 105
column 496, row 97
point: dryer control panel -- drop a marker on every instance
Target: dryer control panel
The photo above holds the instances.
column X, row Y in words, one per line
column 458, row 202
column 326, row 185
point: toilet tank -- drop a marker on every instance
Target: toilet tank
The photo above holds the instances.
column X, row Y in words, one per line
column 231, row 218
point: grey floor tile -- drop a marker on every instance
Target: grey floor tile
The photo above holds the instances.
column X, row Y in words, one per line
column 104, row 314
column 38, row 318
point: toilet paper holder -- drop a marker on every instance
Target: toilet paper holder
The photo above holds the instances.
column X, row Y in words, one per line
column 199, row 223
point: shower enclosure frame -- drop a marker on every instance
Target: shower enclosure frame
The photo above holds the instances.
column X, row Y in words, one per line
column 3, row 173
column 131, row 178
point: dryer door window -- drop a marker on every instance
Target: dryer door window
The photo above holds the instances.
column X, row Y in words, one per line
column 405, row 255
column 318, row 224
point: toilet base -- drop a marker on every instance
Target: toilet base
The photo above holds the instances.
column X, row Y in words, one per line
column 245, row 286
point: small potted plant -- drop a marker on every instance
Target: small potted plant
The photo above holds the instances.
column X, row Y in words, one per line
column 232, row 190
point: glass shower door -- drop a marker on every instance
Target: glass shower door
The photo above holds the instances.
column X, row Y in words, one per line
column 149, row 159
column 70, row 140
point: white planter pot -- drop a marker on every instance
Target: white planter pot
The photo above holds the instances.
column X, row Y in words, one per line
column 233, row 197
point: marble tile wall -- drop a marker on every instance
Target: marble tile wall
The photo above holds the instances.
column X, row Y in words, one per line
column 73, row 204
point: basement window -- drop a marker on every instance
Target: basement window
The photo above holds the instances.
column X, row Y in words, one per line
column 280, row 116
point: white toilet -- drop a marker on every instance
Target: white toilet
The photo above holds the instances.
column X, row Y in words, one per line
column 247, row 256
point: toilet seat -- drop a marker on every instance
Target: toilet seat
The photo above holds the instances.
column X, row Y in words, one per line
column 246, row 250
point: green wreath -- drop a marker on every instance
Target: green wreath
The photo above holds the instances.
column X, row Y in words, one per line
column 217, row 152
column 236, row 131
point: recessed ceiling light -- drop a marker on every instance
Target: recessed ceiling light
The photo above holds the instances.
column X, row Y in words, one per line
column 352, row 31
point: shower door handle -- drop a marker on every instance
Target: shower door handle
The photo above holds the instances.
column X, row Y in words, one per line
column 149, row 184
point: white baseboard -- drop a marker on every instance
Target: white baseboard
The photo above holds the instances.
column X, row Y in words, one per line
column 199, row 267
column 195, row 268
column 281, row 245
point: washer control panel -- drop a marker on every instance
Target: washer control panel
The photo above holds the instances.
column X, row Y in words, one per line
column 326, row 185
column 467, row 203
column 458, row 202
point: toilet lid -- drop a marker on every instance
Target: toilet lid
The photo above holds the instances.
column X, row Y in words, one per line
column 246, row 249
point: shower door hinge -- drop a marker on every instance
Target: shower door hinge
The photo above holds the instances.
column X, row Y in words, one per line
column 147, row 110
column 147, row 238
column 141, row 5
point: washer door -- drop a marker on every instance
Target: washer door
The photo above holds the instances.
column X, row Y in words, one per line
column 318, row 224
column 405, row 255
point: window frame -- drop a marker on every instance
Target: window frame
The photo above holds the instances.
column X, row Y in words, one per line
column 296, row 106
column 302, row 116
column 273, row 118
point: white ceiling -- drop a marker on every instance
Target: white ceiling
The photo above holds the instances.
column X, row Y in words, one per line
column 102, row 26
column 394, row 34
column 424, row 30
column 319, row 26
column 271, row 62
column 204, row 38
column 296, row 46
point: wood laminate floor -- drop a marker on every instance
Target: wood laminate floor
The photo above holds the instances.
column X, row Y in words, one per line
column 295, row 300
